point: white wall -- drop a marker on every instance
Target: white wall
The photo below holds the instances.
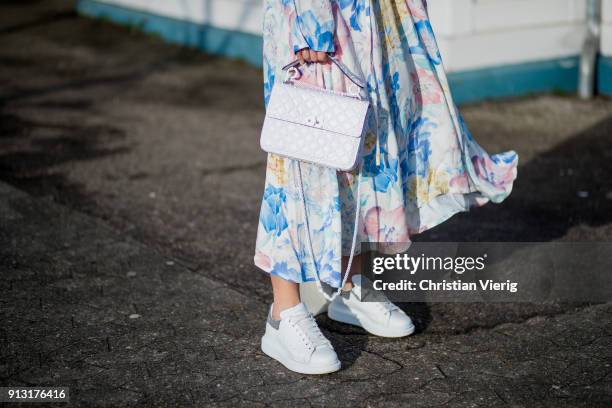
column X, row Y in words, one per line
column 480, row 33
column 472, row 33
column 238, row 15
column 606, row 33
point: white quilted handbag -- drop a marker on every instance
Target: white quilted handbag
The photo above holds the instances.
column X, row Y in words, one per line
column 318, row 126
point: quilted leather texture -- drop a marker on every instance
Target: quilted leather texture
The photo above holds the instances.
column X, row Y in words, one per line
column 317, row 108
column 314, row 126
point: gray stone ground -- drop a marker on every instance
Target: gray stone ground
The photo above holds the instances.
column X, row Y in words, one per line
column 127, row 230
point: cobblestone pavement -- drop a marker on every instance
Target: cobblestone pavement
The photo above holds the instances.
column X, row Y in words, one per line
column 127, row 229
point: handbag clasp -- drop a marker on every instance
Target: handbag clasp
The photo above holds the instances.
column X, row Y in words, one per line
column 314, row 122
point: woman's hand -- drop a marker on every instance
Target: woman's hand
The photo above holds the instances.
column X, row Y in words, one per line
column 308, row 55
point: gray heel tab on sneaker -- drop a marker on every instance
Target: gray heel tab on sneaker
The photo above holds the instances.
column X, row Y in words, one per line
column 274, row 323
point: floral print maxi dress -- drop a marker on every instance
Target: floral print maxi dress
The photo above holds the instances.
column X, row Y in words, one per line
column 429, row 167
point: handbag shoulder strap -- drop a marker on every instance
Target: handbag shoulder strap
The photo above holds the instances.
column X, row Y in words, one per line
column 343, row 68
column 354, row 240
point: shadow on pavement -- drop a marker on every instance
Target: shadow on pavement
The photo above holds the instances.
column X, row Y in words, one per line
column 31, row 150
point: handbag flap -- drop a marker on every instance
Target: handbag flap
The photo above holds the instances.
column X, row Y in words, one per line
column 318, row 108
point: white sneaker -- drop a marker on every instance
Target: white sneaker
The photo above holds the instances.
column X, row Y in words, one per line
column 379, row 318
column 297, row 343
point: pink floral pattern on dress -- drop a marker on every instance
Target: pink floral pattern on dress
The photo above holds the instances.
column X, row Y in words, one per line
column 426, row 87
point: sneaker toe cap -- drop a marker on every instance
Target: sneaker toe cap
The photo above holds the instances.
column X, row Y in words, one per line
column 400, row 320
column 323, row 356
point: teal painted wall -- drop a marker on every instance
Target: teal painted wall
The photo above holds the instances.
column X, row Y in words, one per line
column 559, row 75
column 604, row 76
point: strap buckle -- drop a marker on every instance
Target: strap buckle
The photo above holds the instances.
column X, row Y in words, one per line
column 356, row 81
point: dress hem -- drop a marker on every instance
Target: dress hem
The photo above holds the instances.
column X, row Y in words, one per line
column 450, row 203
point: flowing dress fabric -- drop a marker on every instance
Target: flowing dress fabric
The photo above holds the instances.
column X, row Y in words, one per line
column 429, row 165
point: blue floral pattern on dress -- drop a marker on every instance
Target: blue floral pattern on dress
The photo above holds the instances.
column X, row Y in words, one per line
column 314, row 25
column 429, row 168
column 272, row 218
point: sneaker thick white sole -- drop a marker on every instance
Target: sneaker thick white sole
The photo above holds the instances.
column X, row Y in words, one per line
column 272, row 347
column 341, row 313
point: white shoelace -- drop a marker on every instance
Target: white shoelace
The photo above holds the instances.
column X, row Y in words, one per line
column 387, row 307
column 309, row 331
